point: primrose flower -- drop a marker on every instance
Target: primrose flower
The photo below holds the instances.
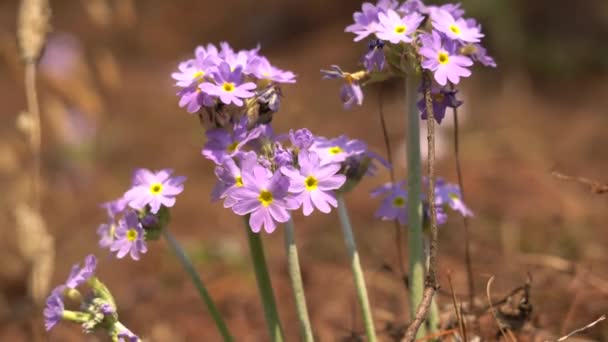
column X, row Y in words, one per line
column 192, row 72
column 374, row 58
column 457, row 29
column 366, row 21
column 313, row 184
column 223, row 144
column 450, row 195
column 394, row 205
column 265, row 198
column 442, row 99
column 125, row 335
column 395, row 28
column 53, row 311
column 229, row 177
column 301, row 138
column 440, row 56
column 262, row 69
column 80, row 275
column 337, row 150
column 351, row 91
column 228, row 85
column 154, row 189
column 130, row 237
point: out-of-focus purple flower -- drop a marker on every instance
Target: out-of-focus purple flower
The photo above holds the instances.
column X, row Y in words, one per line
column 366, row 21
column 456, row 29
column 115, row 207
column 351, row 93
column 80, row 275
column 282, row 156
column 106, row 232
column 453, row 9
column 154, row 189
column 130, row 237
column 192, row 72
column 222, row 144
column 480, row 54
column 395, row 28
column 125, row 335
column 53, row 312
column 374, row 58
column 442, row 99
column 262, row 69
column 314, row 184
column 265, row 198
column 440, row 56
column 301, row 138
column 230, row 177
column 61, row 53
column 411, row 6
column 193, row 99
column 394, row 205
column 228, row 85
column 338, row 149
column 450, row 195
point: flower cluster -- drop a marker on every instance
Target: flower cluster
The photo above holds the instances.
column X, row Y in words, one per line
column 266, row 176
column 96, row 310
column 394, row 202
column 410, row 37
column 139, row 213
column 222, row 81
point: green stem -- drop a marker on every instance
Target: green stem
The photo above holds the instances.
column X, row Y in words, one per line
column 414, row 180
column 198, row 283
column 357, row 271
column 293, row 265
column 76, row 316
column 264, row 285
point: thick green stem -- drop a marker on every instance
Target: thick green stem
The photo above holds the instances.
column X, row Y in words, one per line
column 264, row 285
column 414, row 175
column 198, row 283
column 293, row 266
column 357, row 271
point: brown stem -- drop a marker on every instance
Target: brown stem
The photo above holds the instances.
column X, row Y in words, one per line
column 431, row 275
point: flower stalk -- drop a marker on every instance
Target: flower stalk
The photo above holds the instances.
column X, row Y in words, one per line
column 198, row 283
column 357, row 271
column 414, row 180
column 264, row 284
column 295, row 275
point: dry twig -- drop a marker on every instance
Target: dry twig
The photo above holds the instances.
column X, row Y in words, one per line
column 457, row 310
column 493, row 310
column 579, row 330
column 593, row 185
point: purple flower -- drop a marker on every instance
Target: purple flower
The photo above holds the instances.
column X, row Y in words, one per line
column 192, row 72
column 130, row 237
column 53, row 312
column 154, row 189
column 80, row 275
column 222, row 144
column 456, row 29
column 366, row 21
column 480, row 54
column 115, row 207
column 374, row 59
column 449, row 194
column 394, row 205
column 442, row 99
column 396, row 29
column 313, row 183
column 411, row 6
column 230, row 177
column 301, row 138
column 281, row 156
column 107, row 233
column 440, row 57
column 338, row 149
column 193, row 99
column 262, row 69
column 351, row 93
column 228, row 85
column 265, row 197
column 125, row 335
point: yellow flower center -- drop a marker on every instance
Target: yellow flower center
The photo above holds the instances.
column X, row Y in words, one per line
column 335, row 150
column 198, row 74
column 443, row 57
column 232, row 147
column 228, row 87
column 455, row 29
column 239, row 181
column 311, row 183
column 400, row 29
column 265, row 197
column 156, row 188
column 399, row 202
column 132, row 234
column 439, row 97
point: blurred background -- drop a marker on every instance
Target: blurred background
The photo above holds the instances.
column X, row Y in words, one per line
column 108, row 106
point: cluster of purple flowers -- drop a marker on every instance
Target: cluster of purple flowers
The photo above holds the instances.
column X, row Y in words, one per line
column 132, row 216
column 394, row 203
column 266, row 176
column 218, row 77
column 435, row 38
column 96, row 311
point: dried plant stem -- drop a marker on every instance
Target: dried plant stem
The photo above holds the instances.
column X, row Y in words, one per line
column 579, row 330
column 35, row 138
column 503, row 331
column 271, row 313
column 467, row 243
column 198, row 283
column 430, row 284
column 297, row 286
column 353, row 254
column 414, row 184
